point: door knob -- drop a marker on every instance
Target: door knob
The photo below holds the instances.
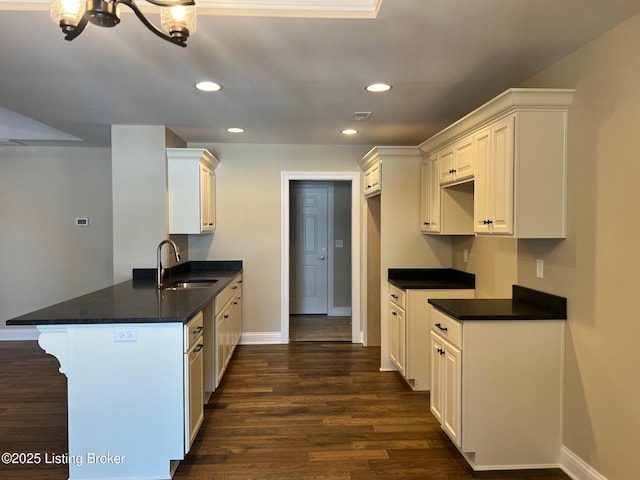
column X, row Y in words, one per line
column 322, row 257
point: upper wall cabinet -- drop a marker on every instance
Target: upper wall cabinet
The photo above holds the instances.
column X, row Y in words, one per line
column 192, row 190
column 515, row 150
column 372, row 168
column 455, row 162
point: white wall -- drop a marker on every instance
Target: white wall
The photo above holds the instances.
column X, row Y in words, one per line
column 248, row 216
column 139, row 179
column 45, row 258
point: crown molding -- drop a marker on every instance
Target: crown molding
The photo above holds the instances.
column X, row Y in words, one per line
column 272, row 8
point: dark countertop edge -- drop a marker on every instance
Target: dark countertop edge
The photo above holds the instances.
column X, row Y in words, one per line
column 194, row 266
column 430, row 278
column 147, row 283
column 527, row 304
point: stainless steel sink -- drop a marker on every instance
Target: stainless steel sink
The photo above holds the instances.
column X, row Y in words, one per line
column 188, row 284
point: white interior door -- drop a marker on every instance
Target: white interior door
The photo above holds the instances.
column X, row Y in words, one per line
column 309, row 249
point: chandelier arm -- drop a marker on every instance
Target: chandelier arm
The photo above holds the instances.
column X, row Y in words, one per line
column 177, row 41
column 78, row 28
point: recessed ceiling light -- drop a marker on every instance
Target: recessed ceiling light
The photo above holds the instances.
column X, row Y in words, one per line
column 378, row 87
column 235, row 130
column 349, row 131
column 208, row 86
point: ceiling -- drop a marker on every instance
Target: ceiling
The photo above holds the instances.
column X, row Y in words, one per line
column 286, row 78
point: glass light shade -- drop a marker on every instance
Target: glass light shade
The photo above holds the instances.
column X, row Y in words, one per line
column 178, row 18
column 68, row 11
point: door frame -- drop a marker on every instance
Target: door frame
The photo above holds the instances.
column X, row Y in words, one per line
column 354, row 178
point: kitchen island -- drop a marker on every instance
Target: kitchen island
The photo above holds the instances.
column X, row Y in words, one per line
column 125, row 352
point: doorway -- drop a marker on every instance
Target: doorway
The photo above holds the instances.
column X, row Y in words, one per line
column 303, row 283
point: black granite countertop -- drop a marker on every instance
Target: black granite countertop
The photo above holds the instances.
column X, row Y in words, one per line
column 431, row 278
column 138, row 300
column 526, row 304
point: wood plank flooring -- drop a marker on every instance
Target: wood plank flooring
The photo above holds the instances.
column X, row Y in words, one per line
column 319, row 328
column 308, row 411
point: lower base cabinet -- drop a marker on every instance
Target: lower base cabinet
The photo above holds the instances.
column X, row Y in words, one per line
column 497, row 389
column 228, row 326
column 409, row 324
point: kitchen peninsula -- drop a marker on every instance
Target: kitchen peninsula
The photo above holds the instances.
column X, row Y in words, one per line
column 127, row 352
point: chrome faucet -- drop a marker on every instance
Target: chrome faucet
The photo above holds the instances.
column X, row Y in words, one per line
column 160, row 268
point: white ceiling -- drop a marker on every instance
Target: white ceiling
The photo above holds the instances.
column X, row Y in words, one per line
column 287, row 79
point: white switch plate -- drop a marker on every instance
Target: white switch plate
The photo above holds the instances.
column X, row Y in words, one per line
column 539, row 269
column 465, row 255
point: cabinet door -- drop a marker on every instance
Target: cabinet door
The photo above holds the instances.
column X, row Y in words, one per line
column 373, row 180
column 493, row 206
column 430, row 196
column 452, row 392
column 446, row 164
column 207, row 199
column 464, row 159
column 437, row 362
column 396, row 337
column 502, row 153
column 482, row 181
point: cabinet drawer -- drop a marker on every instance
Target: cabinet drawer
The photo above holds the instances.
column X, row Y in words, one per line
column 227, row 294
column 445, row 326
column 397, row 296
column 193, row 330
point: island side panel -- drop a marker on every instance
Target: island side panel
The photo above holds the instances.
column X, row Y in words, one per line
column 125, row 397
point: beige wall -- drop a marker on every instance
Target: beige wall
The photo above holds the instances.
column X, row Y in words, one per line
column 596, row 267
column 494, row 261
column 248, row 228
column 45, row 258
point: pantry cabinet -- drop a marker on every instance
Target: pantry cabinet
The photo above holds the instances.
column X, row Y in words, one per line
column 191, row 190
column 514, row 148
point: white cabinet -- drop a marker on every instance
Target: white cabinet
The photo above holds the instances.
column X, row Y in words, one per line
column 494, row 202
column 515, row 149
column 397, row 328
column 228, row 326
column 429, row 195
column 497, row 389
column 191, row 190
column 409, row 325
column 446, row 372
column 373, row 179
column 455, row 162
column 193, row 379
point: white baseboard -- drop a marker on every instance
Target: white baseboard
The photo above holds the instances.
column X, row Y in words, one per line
column 13, row 334
column 340, row 312
column 261, row 338
column 577, row 468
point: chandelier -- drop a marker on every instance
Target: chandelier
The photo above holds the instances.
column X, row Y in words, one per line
column 178, row 17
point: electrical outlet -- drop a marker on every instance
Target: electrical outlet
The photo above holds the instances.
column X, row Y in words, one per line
column 125, row 335
column 539, row 269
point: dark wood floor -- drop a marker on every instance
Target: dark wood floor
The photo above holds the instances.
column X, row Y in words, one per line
column 319, row 328
column 308, row 411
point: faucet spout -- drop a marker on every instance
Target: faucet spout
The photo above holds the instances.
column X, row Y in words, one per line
column 159, row 267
